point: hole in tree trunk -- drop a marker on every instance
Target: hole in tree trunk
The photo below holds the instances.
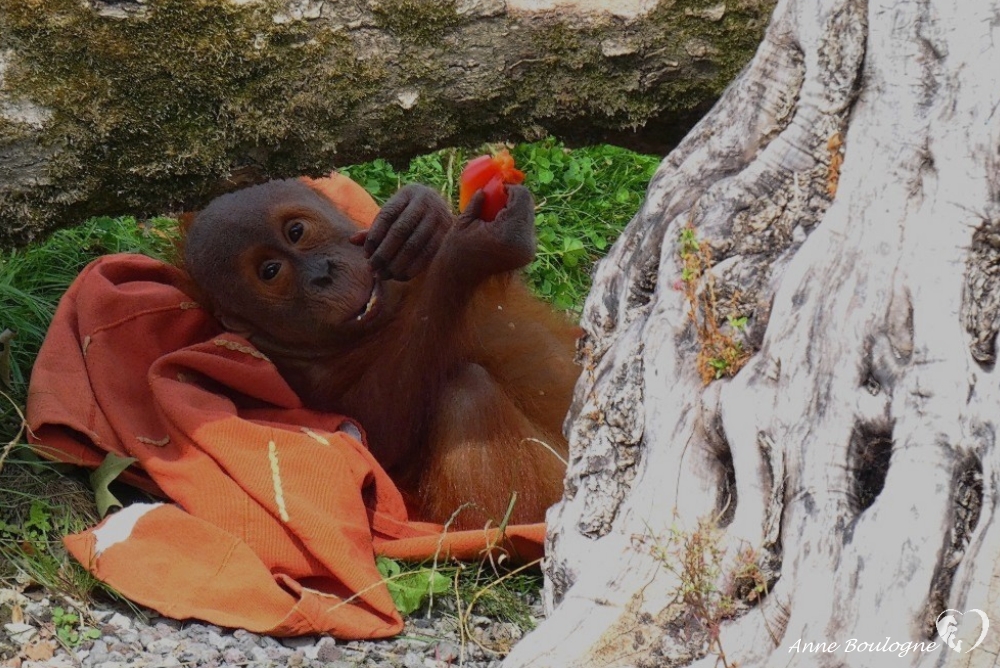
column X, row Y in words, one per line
column 868, row 456
column 725, row 501
column 967, row 502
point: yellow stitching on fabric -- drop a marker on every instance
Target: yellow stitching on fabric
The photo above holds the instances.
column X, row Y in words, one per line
column 313, row 435
column 185, row 306
column 86, row 344
column 148, row 441
column 279, row 496
column 232, row 345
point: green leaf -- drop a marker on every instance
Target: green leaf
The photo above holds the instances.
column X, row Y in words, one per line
column 103, row 476
column 39, row 515
column 544, row 176
column 409, row 590
column 387, row 568
column 739, row 324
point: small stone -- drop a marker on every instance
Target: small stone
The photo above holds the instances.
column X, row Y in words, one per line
column 102, row 615
column 308, row 645
column 12, row 597
column 98, row 651
column 168, row 662
column 196, row 655
column 120, row 621
column 296, row 660
column 163, row 646
column 40, row 610
column 20, row 632
column 129, row 637
column 413, row 660
column 240, row 634
column 233, row 656
column 167, row 625
column 259, row 654
column 327, row 651
column 218, row 641
column 278, row 654
column 446, row 651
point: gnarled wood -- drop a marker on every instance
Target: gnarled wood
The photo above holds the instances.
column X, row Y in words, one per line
column 853, row 461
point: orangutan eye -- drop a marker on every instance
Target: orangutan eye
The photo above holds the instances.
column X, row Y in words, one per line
column 269, row 270
column 295, row 231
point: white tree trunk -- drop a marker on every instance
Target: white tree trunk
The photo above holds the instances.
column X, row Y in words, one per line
column 856, row 452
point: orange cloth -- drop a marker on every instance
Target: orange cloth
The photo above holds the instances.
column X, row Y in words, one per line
column 279, row 511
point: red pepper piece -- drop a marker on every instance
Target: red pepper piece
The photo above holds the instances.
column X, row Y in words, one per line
column 489, row 174
column 476, row 174
column 495, row 198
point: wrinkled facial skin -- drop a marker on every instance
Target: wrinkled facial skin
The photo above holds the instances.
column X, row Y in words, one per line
column 278, row 266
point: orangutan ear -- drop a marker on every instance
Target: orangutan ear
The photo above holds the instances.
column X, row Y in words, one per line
column 234, row 324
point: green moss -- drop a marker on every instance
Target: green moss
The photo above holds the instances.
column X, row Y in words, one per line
column 731, row 40
column 418, row 21
column 151, row 114
column 579, row 80
column 158, row 105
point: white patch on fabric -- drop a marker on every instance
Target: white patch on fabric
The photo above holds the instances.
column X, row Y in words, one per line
column 322, row 440
column 118, row 527
column 350, row 429
column 279, row 494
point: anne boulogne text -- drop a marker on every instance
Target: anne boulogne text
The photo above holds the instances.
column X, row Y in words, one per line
column 887, row 646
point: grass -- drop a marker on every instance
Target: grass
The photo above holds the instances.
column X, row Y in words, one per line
column 584, row 198
column 466, row 591
column 33, row 280
column 710, row 591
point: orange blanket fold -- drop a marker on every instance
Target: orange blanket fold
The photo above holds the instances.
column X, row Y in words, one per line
column 277, row 511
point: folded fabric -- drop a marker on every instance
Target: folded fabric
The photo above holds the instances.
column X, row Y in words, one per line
column 276, row 512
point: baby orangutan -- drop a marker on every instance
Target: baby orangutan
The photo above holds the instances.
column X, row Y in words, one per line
column 418, row 328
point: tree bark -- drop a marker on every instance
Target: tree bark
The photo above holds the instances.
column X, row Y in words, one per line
column 135, row 106
column 844, row 483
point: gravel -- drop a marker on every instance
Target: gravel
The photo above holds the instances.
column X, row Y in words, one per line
column 146, row 640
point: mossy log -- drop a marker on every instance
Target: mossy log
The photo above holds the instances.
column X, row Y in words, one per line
column 147, row 106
